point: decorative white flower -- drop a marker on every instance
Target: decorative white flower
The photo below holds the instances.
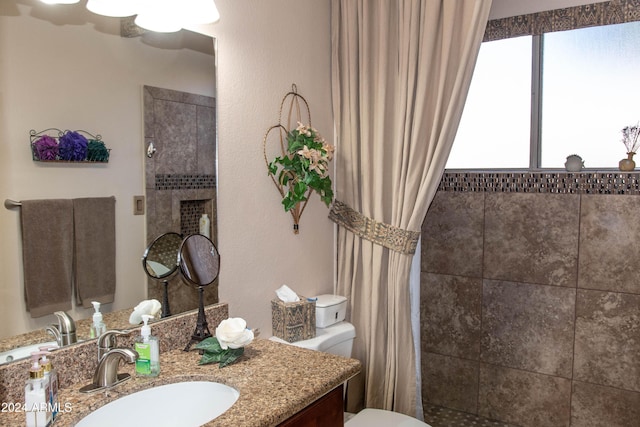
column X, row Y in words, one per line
column 305, row 130
column 329, row 149
column 233, row 333
column 305, row 152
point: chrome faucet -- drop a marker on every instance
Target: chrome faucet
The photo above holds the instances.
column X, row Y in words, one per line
column 65, row 331
column 107, row 341
column 106, row 374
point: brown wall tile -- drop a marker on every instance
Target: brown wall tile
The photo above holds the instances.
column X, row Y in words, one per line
column 533, row 239
column 451, row 308
column 609, row 249
column 523, row 398
column 452, row 235
column 450, row 382
column 528, row 327
column 535, row 337
column 597, row 406
column 607, row 347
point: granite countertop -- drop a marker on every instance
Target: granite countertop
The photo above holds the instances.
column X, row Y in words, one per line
column 113, row 320
column 275, row 382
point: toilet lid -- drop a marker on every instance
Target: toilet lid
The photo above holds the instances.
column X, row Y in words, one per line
column 370, row 417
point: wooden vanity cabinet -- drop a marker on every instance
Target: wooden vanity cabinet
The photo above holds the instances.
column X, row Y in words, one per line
column 327, row 411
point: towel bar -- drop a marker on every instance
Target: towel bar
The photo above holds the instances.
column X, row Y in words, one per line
column 11, row 204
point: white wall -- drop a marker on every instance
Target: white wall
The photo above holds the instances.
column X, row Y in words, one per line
column 63, row 67
column 264, row 47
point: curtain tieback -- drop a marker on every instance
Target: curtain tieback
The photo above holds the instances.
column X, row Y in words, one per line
column 389, row 236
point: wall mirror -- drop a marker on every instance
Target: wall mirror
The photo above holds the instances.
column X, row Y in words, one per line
column 99, row 81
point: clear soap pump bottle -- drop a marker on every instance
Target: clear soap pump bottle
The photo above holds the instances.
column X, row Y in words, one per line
column 147, row 346
column 98, row 327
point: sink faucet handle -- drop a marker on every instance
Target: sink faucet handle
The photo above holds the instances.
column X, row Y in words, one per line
column 66, row 325
column 108, row 341
column 53, row 330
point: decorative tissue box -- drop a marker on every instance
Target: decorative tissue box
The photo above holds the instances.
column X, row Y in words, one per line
column 293, row 321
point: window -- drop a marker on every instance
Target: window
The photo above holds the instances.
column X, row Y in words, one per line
column 588, row 93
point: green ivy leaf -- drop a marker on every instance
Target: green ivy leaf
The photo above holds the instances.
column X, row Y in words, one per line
column 288, row 202
column 210, row 345
column 231, row 356
column 299, row 190
column 208, row 357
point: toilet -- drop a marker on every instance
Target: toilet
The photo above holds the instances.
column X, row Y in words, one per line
column 335, row 336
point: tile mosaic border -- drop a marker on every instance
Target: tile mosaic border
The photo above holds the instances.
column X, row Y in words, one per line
column 542, row 182
column 184, row 181
column 605, row 13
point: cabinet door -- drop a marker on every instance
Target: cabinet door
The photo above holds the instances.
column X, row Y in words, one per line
column 325, row 412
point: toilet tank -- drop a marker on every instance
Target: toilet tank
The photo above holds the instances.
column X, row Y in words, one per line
column 335, row 339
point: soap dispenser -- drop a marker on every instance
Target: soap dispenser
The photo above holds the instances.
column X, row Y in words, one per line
column 147, row 346
column 36, row 393
column 51, row 379
column 98, row 327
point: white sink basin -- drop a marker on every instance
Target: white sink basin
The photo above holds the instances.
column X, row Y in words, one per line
column 22, row 352
column 182, row 404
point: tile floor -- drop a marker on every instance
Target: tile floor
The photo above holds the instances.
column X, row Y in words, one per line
column 437, row 416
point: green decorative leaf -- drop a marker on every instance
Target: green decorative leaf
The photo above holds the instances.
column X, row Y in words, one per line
column 273, row 168
column 208, row 357
column 210, row 345
column 299, row 189
column 288, row 202
column 231, row 356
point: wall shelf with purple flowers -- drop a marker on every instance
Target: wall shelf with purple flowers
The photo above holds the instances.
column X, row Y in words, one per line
column 72, row 146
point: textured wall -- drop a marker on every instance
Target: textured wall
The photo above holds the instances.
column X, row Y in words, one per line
column 531, row 305
column 264, row 47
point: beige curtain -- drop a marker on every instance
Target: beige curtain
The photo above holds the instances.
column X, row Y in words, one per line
column 400, row 74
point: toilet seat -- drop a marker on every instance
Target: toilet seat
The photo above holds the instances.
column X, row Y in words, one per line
column 370, row 417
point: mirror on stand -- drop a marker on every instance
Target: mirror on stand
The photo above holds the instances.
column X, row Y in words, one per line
column 160, row 262
column 199, row 263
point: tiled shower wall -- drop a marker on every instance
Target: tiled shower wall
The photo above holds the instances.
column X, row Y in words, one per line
column 530, row 299
column 180, row 178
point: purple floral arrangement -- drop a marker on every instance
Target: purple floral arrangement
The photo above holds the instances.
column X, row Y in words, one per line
column 72, row 146
column 45, row 148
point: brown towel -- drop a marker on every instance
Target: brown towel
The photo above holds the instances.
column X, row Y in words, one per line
column 47, row 255
column 95, row 249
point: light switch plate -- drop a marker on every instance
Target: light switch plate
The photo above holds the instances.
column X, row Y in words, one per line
column 138, row 205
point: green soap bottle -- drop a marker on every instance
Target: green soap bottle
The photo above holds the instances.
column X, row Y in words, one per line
column 148, row 348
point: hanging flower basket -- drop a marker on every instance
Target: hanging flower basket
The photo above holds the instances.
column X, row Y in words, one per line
column 303, row 164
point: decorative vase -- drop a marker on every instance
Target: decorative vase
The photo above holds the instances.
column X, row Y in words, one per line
column 627, row 164
column 574, row 163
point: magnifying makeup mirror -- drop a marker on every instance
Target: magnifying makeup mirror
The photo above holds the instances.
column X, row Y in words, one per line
column 199, row 263
column 160, row 262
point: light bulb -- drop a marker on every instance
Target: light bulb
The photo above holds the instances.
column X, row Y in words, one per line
column 114, row 8
column 199, row 12
column 162, row 16
column 60, row 1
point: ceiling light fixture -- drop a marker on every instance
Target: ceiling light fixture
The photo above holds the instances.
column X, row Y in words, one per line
column 59, row 1
column 114, row 8
column 171, row 15
column 165, row 16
